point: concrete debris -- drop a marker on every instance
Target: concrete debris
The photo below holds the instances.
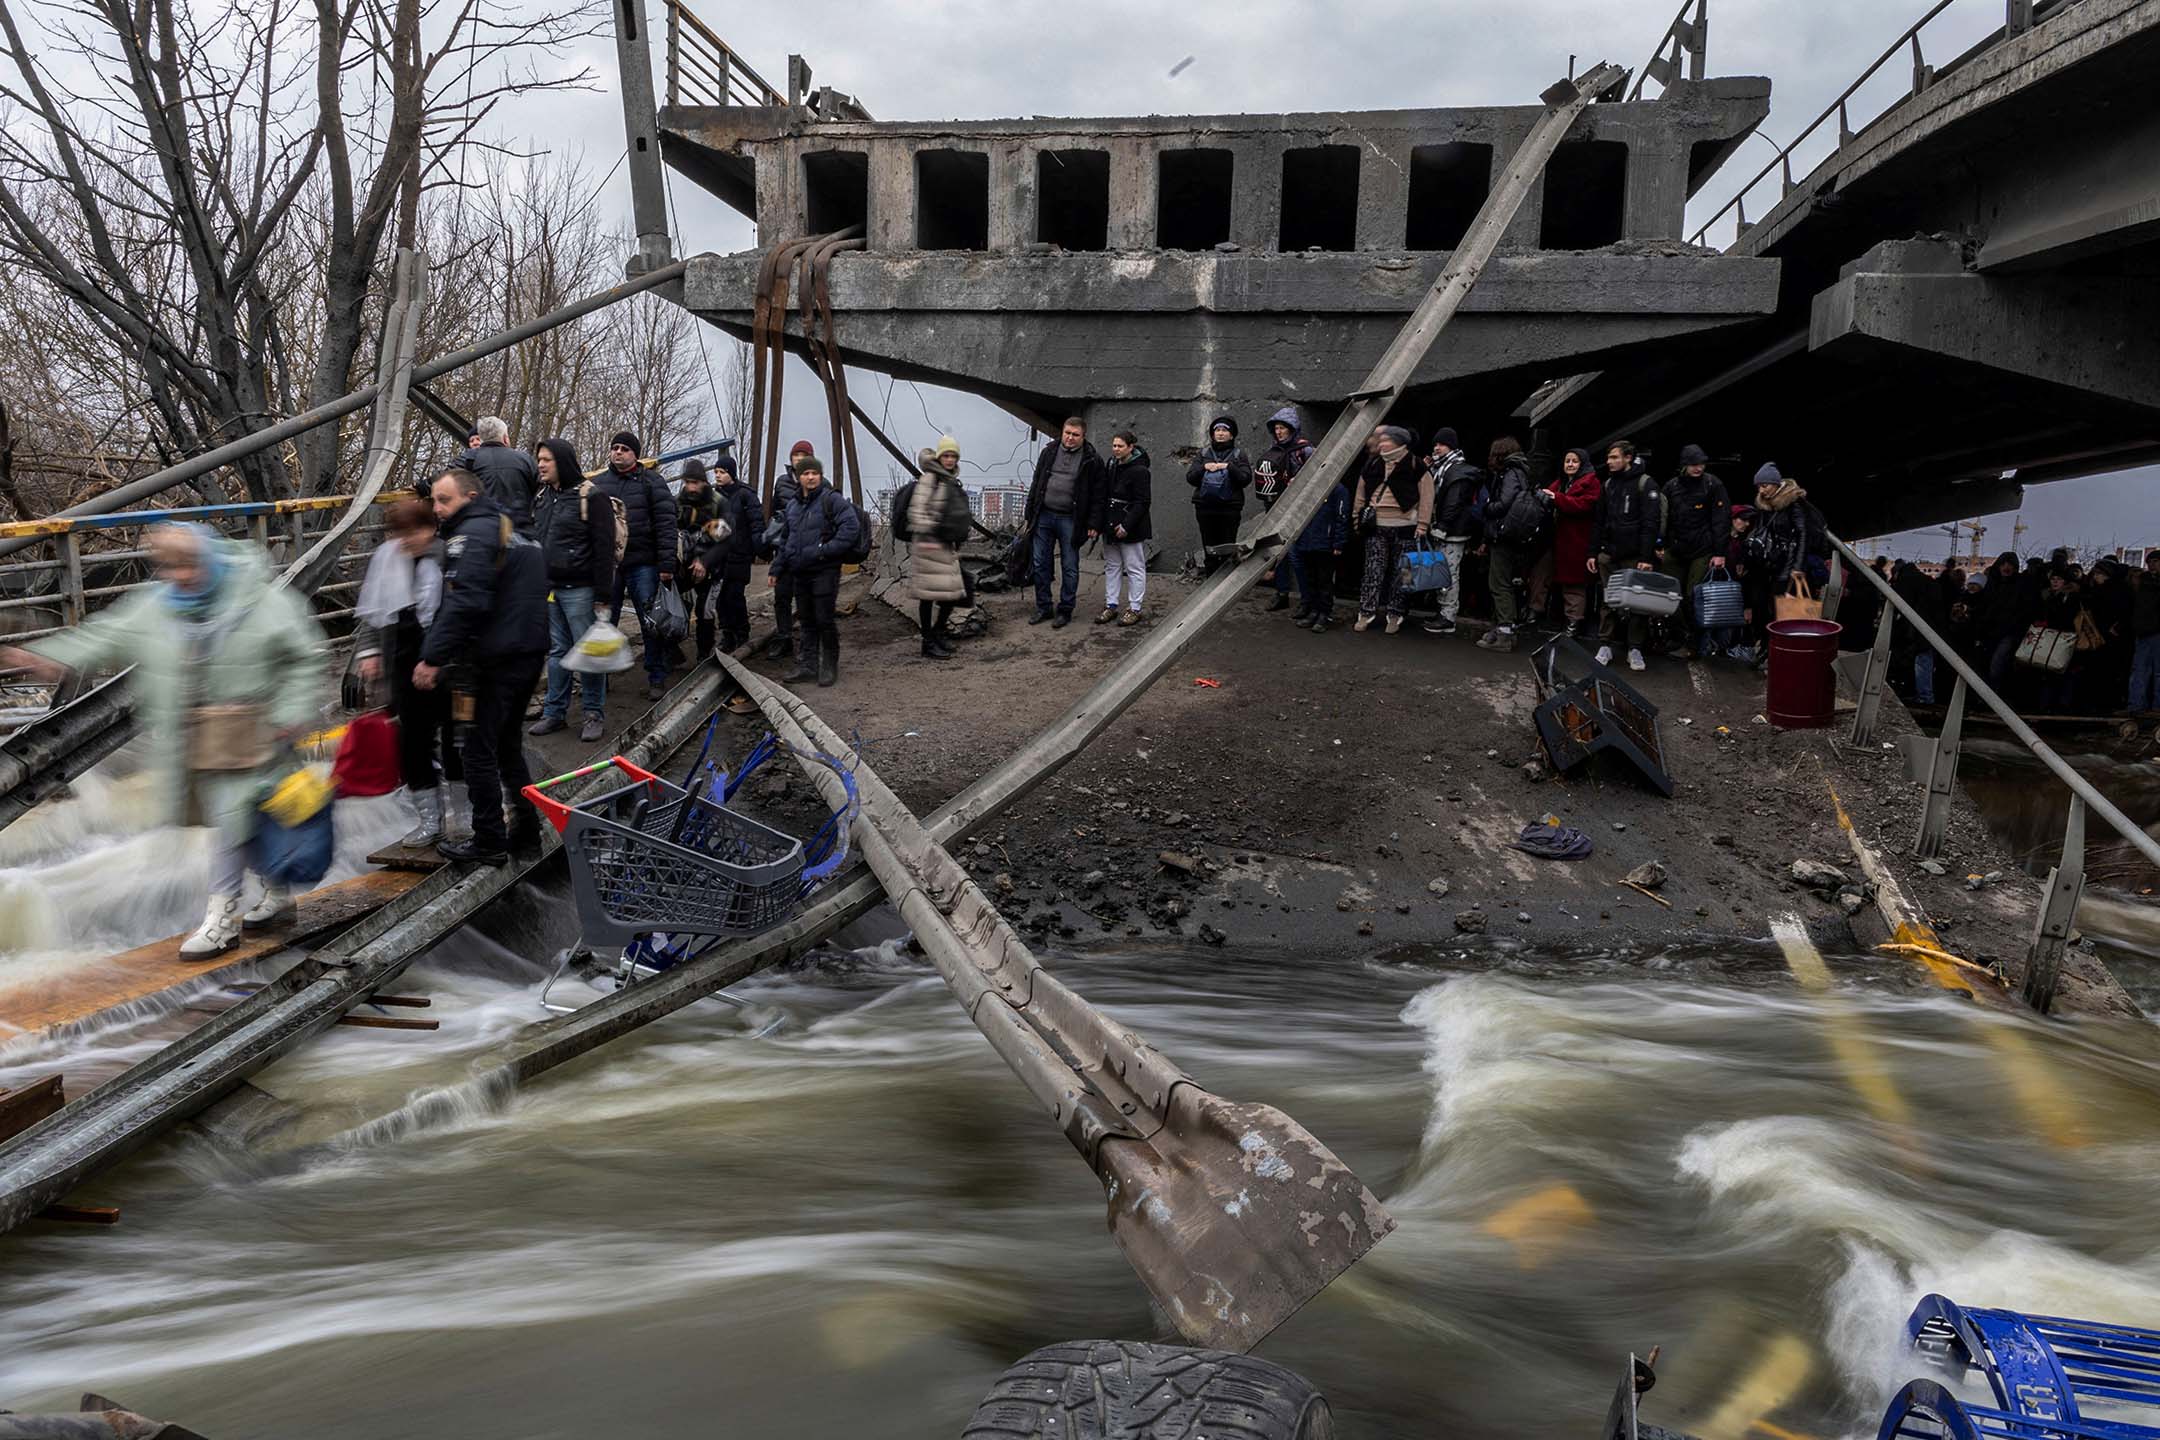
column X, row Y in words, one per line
column 1650, row 874
column 1852, row 904
column 1981, row 882
column 1365, row 927
column 1003, row 882
column 1211, row 935
column 1818, row 876
column 1437, row 887
column 1470, row 922
column 1181, row 863
column 1934, row 867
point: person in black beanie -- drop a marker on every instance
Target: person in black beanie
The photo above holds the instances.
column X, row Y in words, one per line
column 649, row 556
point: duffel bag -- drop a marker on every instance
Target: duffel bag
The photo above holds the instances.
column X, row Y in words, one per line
column 2045, row 649
column 1719, row 603
column 1424, row 569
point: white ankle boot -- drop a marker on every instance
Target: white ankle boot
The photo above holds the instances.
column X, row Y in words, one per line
column 276, row 904
column 428, row 804
column 220, row 929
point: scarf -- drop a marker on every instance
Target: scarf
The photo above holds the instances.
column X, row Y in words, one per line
column 195, row 604
column 1787, row 492
column 1399, row 475
column 397, row 582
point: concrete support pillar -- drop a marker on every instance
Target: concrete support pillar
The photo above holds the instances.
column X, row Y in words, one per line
column 1256, row 193
column 1133, row 172
column 1657, row 181
column 1014, row 202
column 892, row 195
column 779, row 194
column 1529, row 220
column 1383, row 195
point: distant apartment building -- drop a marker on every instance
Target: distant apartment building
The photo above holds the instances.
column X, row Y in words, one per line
column 1001, row 507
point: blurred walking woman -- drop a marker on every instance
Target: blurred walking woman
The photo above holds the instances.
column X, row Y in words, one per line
column 226, row 670
column 1393, row 507
column 398, row 599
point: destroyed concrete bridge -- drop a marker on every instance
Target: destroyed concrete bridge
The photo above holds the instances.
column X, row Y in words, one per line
column 1151, row 272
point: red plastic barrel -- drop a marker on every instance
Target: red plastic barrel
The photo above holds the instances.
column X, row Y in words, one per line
column 1803, row 686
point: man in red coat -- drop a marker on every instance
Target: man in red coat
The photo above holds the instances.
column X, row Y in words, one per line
column 1575, row 491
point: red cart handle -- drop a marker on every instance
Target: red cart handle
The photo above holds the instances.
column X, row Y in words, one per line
column 557, row 813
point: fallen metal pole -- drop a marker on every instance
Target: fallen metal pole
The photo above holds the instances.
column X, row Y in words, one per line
column 104, row 1126
column 854, row 894
column 1232, row 1214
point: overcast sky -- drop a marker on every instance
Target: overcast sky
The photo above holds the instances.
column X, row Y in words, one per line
column 975, row 59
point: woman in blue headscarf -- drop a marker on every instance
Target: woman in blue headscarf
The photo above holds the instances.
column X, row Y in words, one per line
column 225, row 669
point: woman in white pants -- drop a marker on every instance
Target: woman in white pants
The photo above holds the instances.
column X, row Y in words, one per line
column 1120, row 517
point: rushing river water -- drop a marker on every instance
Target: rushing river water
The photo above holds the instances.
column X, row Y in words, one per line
column 849, row 1226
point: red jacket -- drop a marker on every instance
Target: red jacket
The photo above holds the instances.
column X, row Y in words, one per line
column 1574, row 518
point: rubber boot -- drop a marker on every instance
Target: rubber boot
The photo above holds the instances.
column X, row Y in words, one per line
column 806, row 660
column 457, row 811
column 828, row 670
column 428, row 805
column 275, row 905
column 780, row 647
column 219, row 930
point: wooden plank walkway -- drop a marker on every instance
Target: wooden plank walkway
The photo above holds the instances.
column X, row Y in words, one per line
column 78, row 993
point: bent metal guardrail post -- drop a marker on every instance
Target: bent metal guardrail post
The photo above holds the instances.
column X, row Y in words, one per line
column 854, row 894
column 2066, row 880
column 1233, row 1214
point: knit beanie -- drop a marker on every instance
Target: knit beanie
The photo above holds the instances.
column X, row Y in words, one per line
column 1769, row 475
column 1399, row 435
column 727, row 463
column 625, row 437
column 1445, row 435
column 692, row 469
column 1693, row 455
column 946, row 445
column 801, row 448
column 808, row 462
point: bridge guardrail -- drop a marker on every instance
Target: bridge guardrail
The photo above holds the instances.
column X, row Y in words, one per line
column 66, row 533
column 2018, row 17
column 2066, row 879
column 702, row 69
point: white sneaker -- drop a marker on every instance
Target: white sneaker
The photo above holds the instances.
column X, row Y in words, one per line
column 220, row 929
column 1604, row 654
column 276, row 904
column 1635, row 660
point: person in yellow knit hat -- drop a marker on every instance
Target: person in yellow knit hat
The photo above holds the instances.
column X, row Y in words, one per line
column 931, row 515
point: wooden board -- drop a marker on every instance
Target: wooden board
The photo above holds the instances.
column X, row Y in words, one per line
column 421, row 859
column 20, row 1109
column 98, row 985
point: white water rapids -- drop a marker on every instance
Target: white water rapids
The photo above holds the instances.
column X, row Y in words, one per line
column 850, row 1226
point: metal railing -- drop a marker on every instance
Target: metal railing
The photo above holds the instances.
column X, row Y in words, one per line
column 282, row 527
column 703, row 70
column 1937, row 760
column 2019, row 16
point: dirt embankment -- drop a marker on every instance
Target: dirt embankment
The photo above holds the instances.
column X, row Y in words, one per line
column 1361, row 793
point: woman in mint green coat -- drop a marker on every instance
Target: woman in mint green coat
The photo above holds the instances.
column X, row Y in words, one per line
column 226, row 670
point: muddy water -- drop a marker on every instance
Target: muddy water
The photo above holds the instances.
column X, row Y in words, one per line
column 849, row 1225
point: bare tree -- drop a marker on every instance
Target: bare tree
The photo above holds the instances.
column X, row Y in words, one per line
column 736, row 395
column 169, row 199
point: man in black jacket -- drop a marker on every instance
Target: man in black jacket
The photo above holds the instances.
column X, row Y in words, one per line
column 649, row 558
column 1455, row 486
column 575, row 530
column 1067, row 474
column 1698, row 527
column 1630, row 535
column 694, row 510
column 493, row 621
column 723, row 562
column 508, row 476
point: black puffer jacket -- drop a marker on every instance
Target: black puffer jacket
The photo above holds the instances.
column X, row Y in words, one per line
column 579, row 547
column 1698, row 518
column 494, row 603
column 1631, row 520
column 508, row 477
column 1455, row 487
column 650, row 510
column 1229, row 489
column 1128, row 499
column 2145, row 604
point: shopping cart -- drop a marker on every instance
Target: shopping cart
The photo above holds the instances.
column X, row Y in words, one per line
column 2050, row 1378
column 660, row 873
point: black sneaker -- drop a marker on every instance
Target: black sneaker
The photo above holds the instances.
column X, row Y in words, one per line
column 1439, row 627
column 1303, row 619
column 1320, row 625
column 1038, row 617
column 474, row 851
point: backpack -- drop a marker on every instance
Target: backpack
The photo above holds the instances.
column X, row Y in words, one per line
column 622, row 517
column 1525, row 518
column 864, row 543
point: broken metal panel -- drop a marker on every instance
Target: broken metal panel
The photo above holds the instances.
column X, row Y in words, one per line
column 1591, row 709
column 1233, row 1214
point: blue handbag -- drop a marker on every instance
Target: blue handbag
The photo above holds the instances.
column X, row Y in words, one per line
column 1719, row 603
column 1423, row 569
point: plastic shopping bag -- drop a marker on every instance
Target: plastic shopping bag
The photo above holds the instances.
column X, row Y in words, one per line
column 295, row 832
column 665, row 622
column 602, row 650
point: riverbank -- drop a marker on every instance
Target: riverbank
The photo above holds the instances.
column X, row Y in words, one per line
column 1360, row 795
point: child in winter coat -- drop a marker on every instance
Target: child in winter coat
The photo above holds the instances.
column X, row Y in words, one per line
column 1312, row 560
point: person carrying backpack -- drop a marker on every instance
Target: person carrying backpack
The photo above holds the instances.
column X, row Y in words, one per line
column 823, row 529
column 1520, row 516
